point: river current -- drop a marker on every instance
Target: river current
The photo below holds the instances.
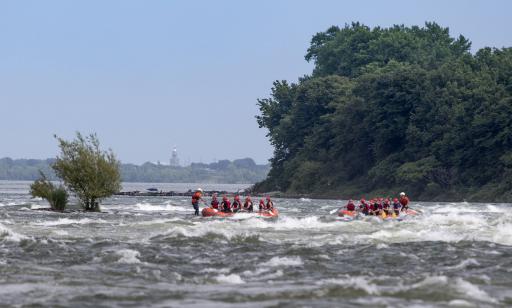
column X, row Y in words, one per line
column 152, row 251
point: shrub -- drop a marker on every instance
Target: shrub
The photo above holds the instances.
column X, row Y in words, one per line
column 57, row 196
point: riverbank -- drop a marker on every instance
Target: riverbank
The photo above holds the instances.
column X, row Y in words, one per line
column 462, row 194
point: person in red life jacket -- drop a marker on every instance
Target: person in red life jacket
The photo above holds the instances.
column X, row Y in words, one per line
column 237, row 204
column 375, row 208
column 196, row 198
column 385, row 207
column 225, row 205
column 248, row 204
column 215, row 202
column 270, row 205
column 396, row 206
column 362, row 203
column 262, row 205
column 350, row 206
column 364, row 207
column 404, row 201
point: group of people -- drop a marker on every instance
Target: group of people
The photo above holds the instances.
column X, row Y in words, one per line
column 227, row 206
column 378, row 206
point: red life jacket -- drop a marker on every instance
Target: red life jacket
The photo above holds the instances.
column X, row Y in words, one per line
column 247, row 204
column 236, row 205
column 375, row 207
column 215, row 204
column 351, row 207
column 404, row 201
column 270, row 205
column 226, row 205
column 195, row 198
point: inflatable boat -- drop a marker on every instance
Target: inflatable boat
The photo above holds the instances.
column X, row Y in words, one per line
column 347, row 213
column 210, row 212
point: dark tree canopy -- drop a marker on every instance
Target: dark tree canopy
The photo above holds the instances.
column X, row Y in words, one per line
column 406, row 108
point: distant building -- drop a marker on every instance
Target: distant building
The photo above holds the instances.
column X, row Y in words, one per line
column 175, row 161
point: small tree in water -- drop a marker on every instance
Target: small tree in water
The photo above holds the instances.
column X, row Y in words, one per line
column 56, row 196
column 91, row 174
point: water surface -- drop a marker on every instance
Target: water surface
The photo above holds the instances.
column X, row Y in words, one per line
column 153, row 252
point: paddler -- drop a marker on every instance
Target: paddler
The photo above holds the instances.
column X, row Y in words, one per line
column 375, row 207
column 248, row 204
column 396, row 206
column 225, row 205
column 237, row 204
column 270, row 204
column 404, row 201
column 196, row 198
column 262, row 205
column 364, row 207
column 350, row 206
column 385, row 207
column 215, row 203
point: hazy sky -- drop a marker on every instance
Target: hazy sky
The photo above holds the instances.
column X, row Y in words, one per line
column 148, row 75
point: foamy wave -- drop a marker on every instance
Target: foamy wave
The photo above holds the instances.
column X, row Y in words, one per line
column 128, row 256
column 68, row 221
column 38, row 206
column 231, row 279
column 360, row 283
column 472, row 291
column 285, row 261
column 503, row 234
column 464, row 264
column 460, row 303
column 165, row 207
column 9, row 235
column 460, row 286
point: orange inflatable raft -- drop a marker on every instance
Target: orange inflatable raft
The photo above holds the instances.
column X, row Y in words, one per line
column 347, row 213
column 269, row 214
column 210, row 212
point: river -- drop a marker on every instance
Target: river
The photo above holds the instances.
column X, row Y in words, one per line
column 152, row 251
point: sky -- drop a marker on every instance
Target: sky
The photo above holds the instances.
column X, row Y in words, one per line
column 146, row 76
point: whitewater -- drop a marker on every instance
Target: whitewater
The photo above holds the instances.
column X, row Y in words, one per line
column 152, row 251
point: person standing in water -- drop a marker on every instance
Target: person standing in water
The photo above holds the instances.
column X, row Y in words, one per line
column 196, row 198
column 404, row 201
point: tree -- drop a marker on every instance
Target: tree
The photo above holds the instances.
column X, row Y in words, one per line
column 56, row 196
column 90, row 173
column 393, row 108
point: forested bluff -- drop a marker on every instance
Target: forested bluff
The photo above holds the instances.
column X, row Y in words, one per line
column 224, row 171
column 393, row 109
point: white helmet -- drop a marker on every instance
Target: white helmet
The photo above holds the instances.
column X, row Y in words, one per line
column 200, row 189
column 402, row 194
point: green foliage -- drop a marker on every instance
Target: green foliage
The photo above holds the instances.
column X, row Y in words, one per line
column 400, row 107
column 56, row 196
column 87, row 171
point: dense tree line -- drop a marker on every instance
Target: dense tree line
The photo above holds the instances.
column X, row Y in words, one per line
column 223, row 171
column 407, row 108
